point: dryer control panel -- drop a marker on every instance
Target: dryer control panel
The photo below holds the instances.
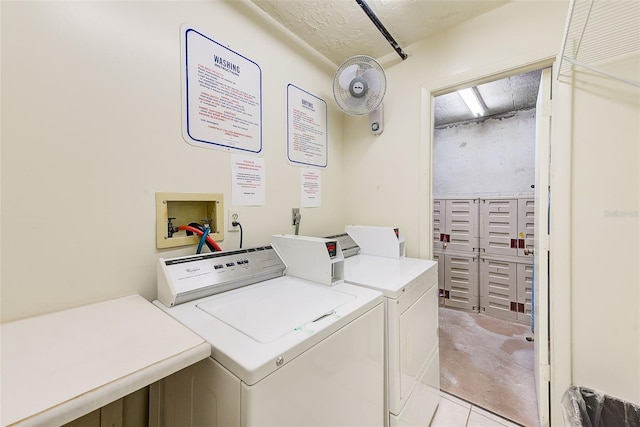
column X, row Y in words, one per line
column 378, row 241
column 311, row 258
column 332, row 248
column 347, row 244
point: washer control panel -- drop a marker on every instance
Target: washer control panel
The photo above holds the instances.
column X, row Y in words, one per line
column 184, row 279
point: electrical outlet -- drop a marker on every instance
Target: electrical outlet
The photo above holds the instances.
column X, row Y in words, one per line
column 233, row 216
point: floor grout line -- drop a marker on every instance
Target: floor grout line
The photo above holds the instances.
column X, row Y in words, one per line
column 473, row 405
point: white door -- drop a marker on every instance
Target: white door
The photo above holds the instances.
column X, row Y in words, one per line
column 439, row 223
column 499, row 226
column 541, row 247
column 461, row 281
column 462, row 225
column 524, row 285
column 526, row 226
column 498, row 288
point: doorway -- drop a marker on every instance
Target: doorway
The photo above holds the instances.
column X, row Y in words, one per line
column 483, row 167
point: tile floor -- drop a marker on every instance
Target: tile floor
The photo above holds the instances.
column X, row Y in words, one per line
column 454, row 412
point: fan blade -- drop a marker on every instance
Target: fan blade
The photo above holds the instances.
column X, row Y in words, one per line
column 356, row 106
column 373, row 79
column 347, row 75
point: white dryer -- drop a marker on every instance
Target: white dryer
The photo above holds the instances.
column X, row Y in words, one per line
column 410, row 288
column 285, row 351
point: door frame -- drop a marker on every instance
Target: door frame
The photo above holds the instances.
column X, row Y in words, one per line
column 542, row 364
column 558, row 355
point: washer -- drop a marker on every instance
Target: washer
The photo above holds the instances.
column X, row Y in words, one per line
column 285, row 351
column 410, row 288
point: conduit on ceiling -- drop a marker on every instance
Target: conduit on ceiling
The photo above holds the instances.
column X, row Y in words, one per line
column 363, row 4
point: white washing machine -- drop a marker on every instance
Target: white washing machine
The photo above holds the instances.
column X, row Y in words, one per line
column 410, row 288
column 285, row 351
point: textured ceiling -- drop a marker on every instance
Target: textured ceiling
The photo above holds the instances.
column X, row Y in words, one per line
column 339, row 29
column 501, row 97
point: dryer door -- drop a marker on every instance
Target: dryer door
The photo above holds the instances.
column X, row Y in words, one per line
column 413, row 336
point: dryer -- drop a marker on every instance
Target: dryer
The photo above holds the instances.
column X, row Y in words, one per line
column 410, row 288
column 285, row 351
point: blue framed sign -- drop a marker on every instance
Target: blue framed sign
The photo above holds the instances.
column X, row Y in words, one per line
column 306, row 128
column 222, row 95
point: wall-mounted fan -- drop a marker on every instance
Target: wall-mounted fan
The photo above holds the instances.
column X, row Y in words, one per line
column 358, row 88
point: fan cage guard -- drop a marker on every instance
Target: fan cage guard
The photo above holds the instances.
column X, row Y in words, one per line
column 369, row 102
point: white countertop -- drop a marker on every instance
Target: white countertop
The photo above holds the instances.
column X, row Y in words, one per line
column 60, row 366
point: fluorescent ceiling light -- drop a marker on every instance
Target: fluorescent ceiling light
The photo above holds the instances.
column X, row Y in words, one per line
column 470, row 97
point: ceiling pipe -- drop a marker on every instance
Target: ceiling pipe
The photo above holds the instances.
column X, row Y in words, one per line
column 363, row 4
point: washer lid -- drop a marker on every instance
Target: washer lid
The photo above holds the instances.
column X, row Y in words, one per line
column 266, row 313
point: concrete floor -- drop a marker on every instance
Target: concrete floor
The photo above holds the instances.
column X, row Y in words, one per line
column 488, row 363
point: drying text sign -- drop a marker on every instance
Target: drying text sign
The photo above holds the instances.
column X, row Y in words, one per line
column 306, row 128
column 222, row 96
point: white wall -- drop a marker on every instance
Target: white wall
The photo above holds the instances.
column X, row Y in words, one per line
column 388, row 177
column 91, row 129
column 600, row 125
column 494, row 157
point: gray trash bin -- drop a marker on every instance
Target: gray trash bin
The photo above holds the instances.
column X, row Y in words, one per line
column 583, row 407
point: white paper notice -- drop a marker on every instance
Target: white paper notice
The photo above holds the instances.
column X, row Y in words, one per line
column 222, row 95
column 248, row 181
column 306, row 128
column 310, row 188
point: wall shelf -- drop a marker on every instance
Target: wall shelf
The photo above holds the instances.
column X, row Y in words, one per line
column 598, row 30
